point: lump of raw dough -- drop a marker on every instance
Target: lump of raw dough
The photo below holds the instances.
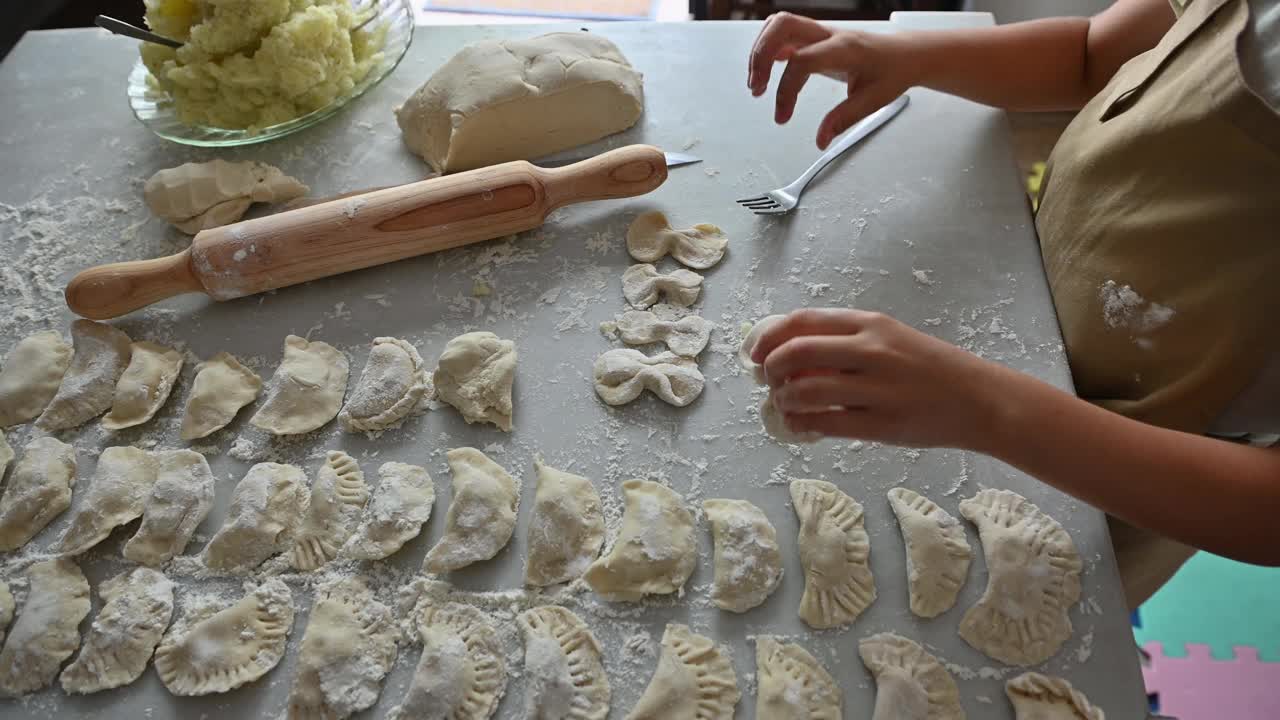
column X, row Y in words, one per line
column 32, row 371
column 685, row 337
column 694, row 679
column 835, row 553
column 475, row 374
column 651, row 237
column 910, row 682
column 1044, row 697
column 482, row 514
column 38, row 491
column 654, row 552
column 563, row 671
column 137, row 607
column 392, row 384
column 566, row 528
column 48, row 628
column 307, row 389
column 496, row 101
column 792, row 684
column 101, row 355
column 643, row 286
column 222, row 386
column 747, row 560
column 144, row 385
column 622, row 374
column 938, row 553
column 199, row 196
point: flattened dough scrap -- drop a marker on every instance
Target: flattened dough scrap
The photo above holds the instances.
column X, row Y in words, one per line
column 938, row 553
column 622, row 374
column 482, row 513
column 266, row 509
column 564, row 675
column 222, row 387
column 39, row 489
column 475, row 375
column 685, row 337
column 30, row 376
column 47, row 630
column 306, row 391
column 180, row 499
column 566, row 528
column 400, row 506
column 88, row 387
column 347, row 650
column 910, row 683
column 748, row 563
column 651, row 237
column 643, row 286
column 337, row 499
column 394, row 381
column 116, row 495
column 214, row 653
column 144, row 386
column 835, row 553
column 654, row 553
column 694, row 681
column 1033, row 572
column 199, row 196
column 137, row 607
column 792, row 684
column 1044, row 697
column 462, row 673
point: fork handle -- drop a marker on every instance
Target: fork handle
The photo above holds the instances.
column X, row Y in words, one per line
column 863, row 128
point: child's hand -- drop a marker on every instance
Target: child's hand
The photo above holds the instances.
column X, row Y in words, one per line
column 865, row 375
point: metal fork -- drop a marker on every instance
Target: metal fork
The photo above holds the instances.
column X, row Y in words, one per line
column 785, row 199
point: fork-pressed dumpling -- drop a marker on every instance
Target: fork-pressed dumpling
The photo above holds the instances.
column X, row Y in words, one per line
column 643, row 286
column 622, row 374
column 213, row 653
column 100, row 356
column 137, row 607
column 482, row 512
column 566, row 528
column 337, row 498
column 222, row 387
column 116, row 495
column 694, row 681
column 39, row 489
column 394, row 381
column 144, row 386
column 1044, row 697
column 47, row 630
column 306, row 391
column 564, row 677
column 347, row 650
column 651, row 237
column 910, row 683
column 401, row 504
column 685, row 337
column 179, row 501
column 938, row 553
column 30, row 376
column 654, row 553
column 747, row 560
column 1033, row 580
column 461, row 674
column 792, row 685
column 266, row 509
column 835, row 553
column 475, row 375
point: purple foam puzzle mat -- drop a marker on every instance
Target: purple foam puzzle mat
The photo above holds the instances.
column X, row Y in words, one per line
column 1199, row 687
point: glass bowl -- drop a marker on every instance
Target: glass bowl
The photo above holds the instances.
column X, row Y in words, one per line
column 154, row 108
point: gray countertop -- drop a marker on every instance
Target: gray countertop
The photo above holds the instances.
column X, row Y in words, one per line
column 927, row 220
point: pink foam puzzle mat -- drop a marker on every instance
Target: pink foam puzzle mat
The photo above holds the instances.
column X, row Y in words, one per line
column 1200, row 687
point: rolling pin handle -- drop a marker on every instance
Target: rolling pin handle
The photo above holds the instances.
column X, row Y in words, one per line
column 625, row 172
column 112, row 290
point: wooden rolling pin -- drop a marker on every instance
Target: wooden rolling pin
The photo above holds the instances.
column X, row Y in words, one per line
column 358, row 231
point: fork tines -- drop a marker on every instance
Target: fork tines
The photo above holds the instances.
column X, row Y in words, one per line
column 761, row 205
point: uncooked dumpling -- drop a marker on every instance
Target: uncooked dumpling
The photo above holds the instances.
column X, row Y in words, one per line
column 144, row 385
column 88, row 387
column 391, row 386
column 747, row 561
column 1033, row 579
column 748, row 346
column 482, row 512
column 306, row 390
column 47, row 630
column 6, row 609
column 650, row 238
column 566, row 528
column 348, row 648
column 116, row 495
column 643, row 286
column 622, row 374
column 222, row 386
column 137, row 607
column 654, row 552
column 199, row 196
column 475, row 375
column 792, row 685
column 213, row 653
column 938, row 553
column 39, row 489
column 910, row 683
column 835, row 553
column 337, row 499
column 180, row 499
column 564, row 677
column 266, row 509
column 685, row 337
column 694, row 681
column 6, row 454
column 30, row 376
column 501, row 100
column 461, row 674
column 771, row 417
column 400, row 505
column 1043, row 697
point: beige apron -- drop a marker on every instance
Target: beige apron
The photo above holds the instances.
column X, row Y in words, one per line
column 1159, row 222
